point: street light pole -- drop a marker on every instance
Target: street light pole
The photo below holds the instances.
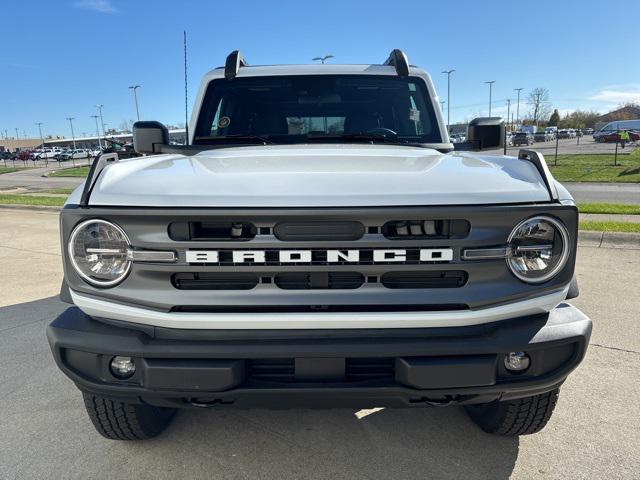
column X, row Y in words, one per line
column 17, row 136
column 135, row 96
column 518, row 105
column 97, row 130
column 46, row 158
column 99, row 107
column 508, row 109
column 490, row 82
column 73, row 136
column 322, row 59
column 448, row 73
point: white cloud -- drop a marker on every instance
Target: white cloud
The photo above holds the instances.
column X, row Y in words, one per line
column 617, row 94
column 102, row 6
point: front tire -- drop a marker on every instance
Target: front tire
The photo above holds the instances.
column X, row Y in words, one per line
column 522, row 416
column 126, row 421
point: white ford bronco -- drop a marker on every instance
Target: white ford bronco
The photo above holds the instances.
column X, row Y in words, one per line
column 318, row 243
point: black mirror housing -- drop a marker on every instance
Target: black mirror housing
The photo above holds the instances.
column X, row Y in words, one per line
column 149, row 136
column 483, row 133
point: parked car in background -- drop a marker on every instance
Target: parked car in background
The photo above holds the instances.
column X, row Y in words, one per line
column 541, row 136
column 578, row 133
column 60, row 153
column 587, row 131
column 45, row 154
column 24, row 155
column 611, row 137
column 609, row 132
column 7, row 156
column 509, row 138
column 522, row 138
column 563, row 133
column 95, row 152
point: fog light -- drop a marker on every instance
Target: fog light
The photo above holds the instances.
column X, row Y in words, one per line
column 122, row 367
column 517, row 361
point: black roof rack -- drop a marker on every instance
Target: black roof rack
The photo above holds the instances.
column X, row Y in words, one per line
column 233, row 64
column 398, row 59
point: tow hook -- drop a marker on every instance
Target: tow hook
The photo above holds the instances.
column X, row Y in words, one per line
column 437, row 403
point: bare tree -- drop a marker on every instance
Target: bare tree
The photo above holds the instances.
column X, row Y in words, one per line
column 538, row 99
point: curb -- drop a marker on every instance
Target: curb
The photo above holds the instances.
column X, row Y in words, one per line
column 625, row 240
column 44, row 208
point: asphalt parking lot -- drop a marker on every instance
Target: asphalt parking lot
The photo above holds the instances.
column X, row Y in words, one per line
column 568, row 146
column 45, row 433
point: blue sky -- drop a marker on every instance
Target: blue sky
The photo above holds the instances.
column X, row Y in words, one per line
column 60, row 58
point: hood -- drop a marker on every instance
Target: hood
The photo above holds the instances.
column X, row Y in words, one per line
column 318, row 176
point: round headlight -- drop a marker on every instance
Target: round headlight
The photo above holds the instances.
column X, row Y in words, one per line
column 539, row 248
column 99, row 251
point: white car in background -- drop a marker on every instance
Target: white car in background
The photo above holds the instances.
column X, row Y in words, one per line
column 79, row 153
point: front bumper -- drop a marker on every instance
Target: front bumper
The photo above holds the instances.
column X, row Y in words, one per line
column 321, row 368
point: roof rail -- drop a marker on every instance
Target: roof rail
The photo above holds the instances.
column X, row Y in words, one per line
column 398, row 59
column 233, row 63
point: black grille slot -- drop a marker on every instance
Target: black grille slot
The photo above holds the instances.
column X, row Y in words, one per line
column 215, row 281
column 432, row 229
column 361, row 369
column 209, row 231
column 271, row 370
column 319, row 280
column 318, row 231
column 283, row 370
column 430, row 279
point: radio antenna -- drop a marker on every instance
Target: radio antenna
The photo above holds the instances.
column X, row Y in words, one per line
column 186, row 92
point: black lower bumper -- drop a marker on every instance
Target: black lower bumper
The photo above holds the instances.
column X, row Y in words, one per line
column 321, row 368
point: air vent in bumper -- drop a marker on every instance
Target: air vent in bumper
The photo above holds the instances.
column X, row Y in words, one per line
column 215, row 281
column 425, row 279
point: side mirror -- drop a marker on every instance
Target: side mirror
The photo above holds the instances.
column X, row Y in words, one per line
column 148, row 137
column 483, row 133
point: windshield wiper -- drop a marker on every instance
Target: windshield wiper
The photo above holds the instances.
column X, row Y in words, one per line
column 363, row 137
column 257, row 138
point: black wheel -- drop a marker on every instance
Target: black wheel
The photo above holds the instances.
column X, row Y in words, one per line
column 523, row 416
column 126, row 421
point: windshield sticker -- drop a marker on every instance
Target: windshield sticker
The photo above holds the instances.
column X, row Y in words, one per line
column 414, row 114
column 412, row 87
column 224, row 122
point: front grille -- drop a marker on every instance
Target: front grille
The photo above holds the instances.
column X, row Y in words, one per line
column 319, row 280
column 431, row 229
column 208, row 231
column 431, row 279
column 318, row 231
column 360, row 369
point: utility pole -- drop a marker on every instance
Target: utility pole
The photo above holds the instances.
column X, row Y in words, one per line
column 490, row 82
column 508, row 109
column 322, row 59
column 39, row 124
column 17, row 136
column 518, row 106
column 135, row 96
column 448, row 73
column 99, row 107
column 73, row 136
column 97, row 130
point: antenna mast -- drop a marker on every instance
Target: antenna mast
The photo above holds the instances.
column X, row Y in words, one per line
column 186, row 92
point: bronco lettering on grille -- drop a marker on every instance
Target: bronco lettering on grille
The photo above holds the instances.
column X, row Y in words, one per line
column 313, row 256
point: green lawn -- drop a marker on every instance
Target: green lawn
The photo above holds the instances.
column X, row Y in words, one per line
column 610, row 226
column 614, row 208
column 8, row 170
column 9, row 199
column 596, row 168
column 71, row 172
column 57, row 191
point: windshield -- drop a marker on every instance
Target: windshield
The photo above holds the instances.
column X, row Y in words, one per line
column 332, row 108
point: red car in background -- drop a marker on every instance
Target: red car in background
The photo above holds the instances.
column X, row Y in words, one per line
column 24, row 155
column 615, row 137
